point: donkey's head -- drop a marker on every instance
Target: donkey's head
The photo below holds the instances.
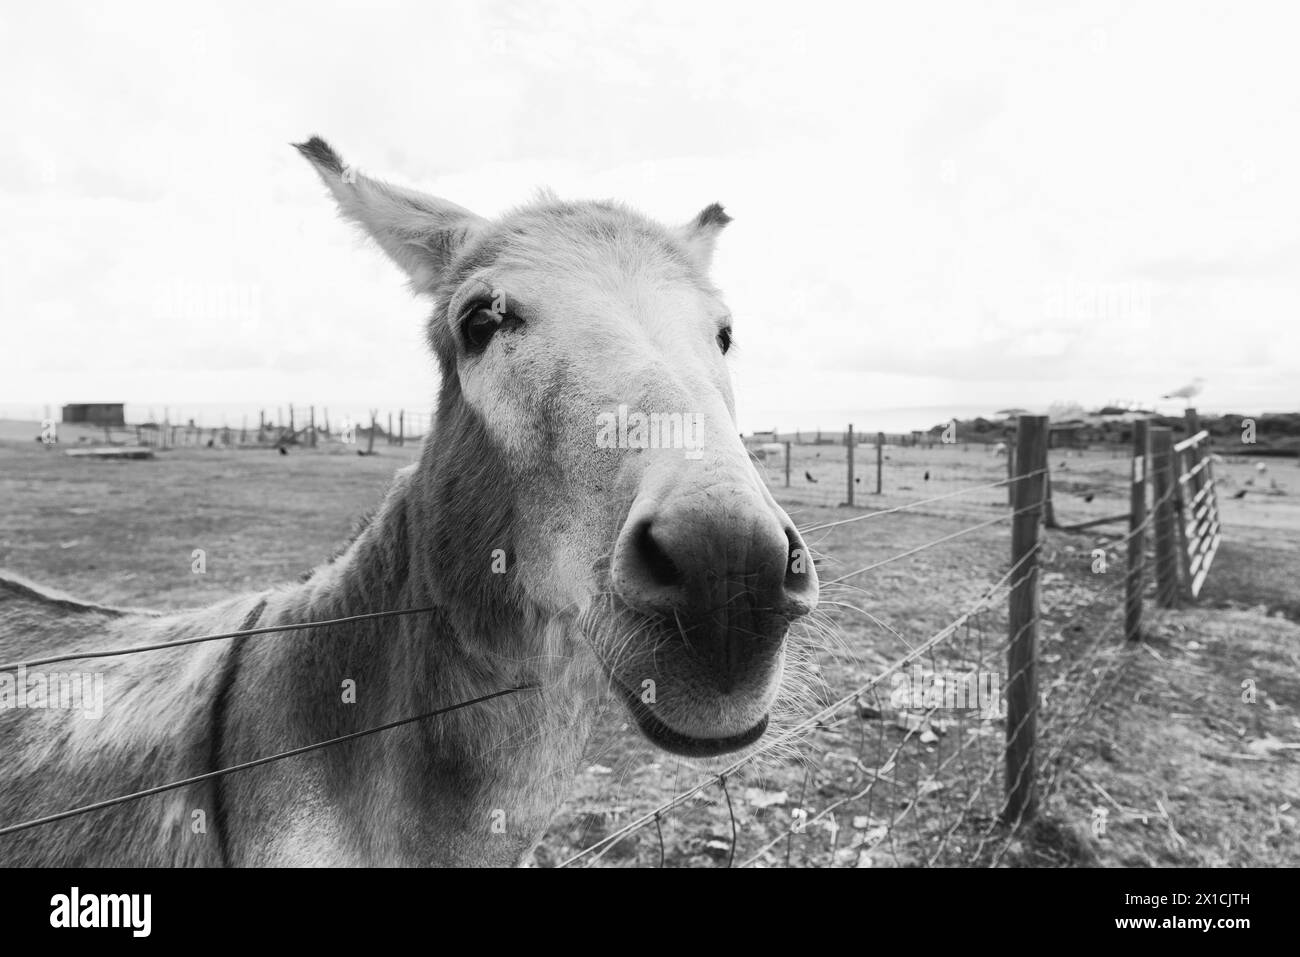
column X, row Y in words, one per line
column 586, row 465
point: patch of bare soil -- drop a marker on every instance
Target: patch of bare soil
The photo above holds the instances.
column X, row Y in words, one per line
column 1193, row 759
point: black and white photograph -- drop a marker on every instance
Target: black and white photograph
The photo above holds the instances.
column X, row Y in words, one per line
column 694, row 435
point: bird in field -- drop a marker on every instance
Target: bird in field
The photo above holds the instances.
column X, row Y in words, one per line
column 1261, row 468
column 1089, row 497
column 927, row 475
column 808, row 476
column 1241, row 494
column 283, row 450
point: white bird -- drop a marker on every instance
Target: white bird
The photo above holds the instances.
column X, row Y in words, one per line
column 1188, row 391
column 1261, row 468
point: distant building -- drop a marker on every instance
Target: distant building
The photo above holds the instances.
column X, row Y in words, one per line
column 95, row 413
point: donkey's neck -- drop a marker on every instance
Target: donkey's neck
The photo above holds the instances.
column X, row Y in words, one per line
column 478, row 784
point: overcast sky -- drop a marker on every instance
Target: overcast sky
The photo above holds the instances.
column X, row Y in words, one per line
column 957, row 205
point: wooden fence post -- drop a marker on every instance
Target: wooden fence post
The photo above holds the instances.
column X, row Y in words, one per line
column 1162, row 489
column 1022, row 653
column 1049, row 511
column 1135, row 581
column 880, row 461
column 401, row 427
column 313, row 426
column 787, row 464
column 850, row 441
column 374, row 424
column 1011, row 469
column 1193, row 420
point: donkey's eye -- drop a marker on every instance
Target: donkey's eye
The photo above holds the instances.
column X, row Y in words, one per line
column 724, row 340
column 479, row 327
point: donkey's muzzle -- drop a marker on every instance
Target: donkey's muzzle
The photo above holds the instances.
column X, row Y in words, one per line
column 722, row 568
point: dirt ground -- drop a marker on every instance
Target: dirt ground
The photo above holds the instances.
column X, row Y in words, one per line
column 1188, row 742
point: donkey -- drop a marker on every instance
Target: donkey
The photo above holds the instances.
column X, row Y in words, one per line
column 558, row 546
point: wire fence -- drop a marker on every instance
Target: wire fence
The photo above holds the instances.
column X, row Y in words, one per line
column 867, row 740
column 1089, row 483
column 944, row 753
column 918, row 765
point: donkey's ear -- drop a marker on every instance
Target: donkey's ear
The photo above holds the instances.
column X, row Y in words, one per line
column 701, row 233
column 421, row 233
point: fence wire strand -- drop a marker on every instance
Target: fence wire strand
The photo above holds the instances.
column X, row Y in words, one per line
column 256, row 762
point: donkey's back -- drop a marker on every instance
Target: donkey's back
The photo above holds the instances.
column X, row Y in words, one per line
column 88, row 730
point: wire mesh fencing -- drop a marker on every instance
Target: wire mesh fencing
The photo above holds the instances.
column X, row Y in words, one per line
column 920, row 764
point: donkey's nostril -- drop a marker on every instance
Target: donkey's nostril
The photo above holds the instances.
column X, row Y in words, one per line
column 661, row 569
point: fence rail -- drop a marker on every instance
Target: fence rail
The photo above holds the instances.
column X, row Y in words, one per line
column 1198, row 509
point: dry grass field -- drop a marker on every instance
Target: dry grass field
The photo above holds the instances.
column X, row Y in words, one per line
column 1185, row 769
